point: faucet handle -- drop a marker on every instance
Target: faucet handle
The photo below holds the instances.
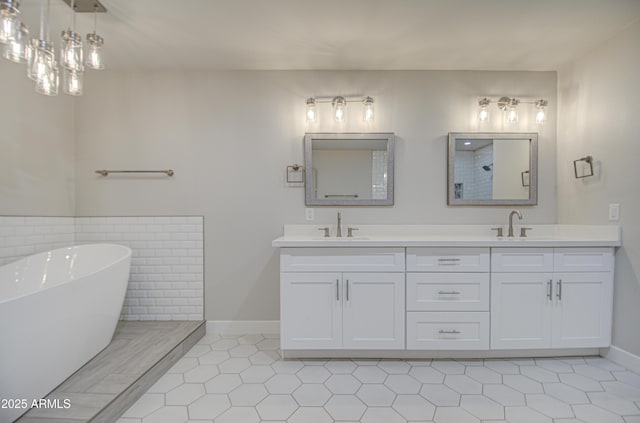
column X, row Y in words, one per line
column 499, row 234
column 350, row 231
column 523, row 232
column 326, row 231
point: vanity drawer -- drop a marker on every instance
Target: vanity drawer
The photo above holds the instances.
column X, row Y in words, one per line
column 342, row 259
column 447, row 291
column 583, row 259
column 447, row 331
column 429, row 259
column 522, row 260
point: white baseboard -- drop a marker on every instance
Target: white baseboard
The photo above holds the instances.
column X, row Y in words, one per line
column 243, row 326
column 622, row 357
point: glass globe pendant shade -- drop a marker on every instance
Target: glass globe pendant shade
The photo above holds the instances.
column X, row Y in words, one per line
column 71, row 55
column 339, row 104
column 483, row 113
column 9, row 23
column 17, row 49
column 94, row 57
column 368, row 110
column 311, row 110
column 512, row 112
column 72, row 82
column 44, row 69
column 541, row 111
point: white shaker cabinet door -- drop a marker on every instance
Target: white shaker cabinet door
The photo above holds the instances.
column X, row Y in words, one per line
column 373, row 311
column 311, row 310
column 582, row 310
column 521, row 310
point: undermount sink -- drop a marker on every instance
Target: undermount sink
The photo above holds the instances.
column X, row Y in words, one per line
column 528, row 238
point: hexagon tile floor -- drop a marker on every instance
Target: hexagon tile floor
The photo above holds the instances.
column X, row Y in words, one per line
column 242, row 379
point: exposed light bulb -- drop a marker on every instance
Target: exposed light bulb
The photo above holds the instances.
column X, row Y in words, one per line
column 71, row 54
column 72, row 82
column 16, row 50
column 311, row 110
column 512, row 112
column 8, row 27
column 94, row 58
column 44, row 69
column 368, row 110
column 483, row 113
column 541, row 114
column 339, row 104
column 9, row 23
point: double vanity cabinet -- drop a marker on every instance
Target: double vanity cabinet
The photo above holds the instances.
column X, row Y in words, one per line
column 355, row 296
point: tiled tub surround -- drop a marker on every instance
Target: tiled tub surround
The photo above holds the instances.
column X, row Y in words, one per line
column 167, row 271
column 243, row 379
column 23, row 236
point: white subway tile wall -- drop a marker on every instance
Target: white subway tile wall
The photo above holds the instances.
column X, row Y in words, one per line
column 167, row 267
column 477, row 183
column 22, row 236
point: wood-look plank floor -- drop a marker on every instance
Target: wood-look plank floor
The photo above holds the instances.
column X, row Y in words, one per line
column 134, row 354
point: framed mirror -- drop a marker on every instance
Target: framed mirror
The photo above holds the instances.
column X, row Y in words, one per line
column 492, row 169
column 349, row 169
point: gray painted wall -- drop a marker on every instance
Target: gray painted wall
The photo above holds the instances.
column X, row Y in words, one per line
column 36, row 148
column 598, row 109
column 230, row 135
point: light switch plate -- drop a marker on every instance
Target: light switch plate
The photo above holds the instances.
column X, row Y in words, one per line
column 614, row 212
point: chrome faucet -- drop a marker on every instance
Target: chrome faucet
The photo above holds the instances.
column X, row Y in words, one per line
column 339, row 231
column 516, row 212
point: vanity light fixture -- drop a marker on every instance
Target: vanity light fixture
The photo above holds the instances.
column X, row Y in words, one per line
column 311, row 110
column 483, row 113
column 541, row 114
column 39, row 54
column 368, row 109
column 339, row 104
column 510, row 107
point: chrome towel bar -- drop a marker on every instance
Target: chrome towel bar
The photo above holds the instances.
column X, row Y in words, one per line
column 103, row 172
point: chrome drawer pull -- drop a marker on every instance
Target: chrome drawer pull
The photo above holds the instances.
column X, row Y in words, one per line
column 448, row 332
column 347, row 289
column 559, row 293
column 337, row 290
column 448, row 259
column 448, row 293
column 549, row 289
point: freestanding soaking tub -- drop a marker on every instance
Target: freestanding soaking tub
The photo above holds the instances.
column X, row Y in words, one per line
column 58, row 309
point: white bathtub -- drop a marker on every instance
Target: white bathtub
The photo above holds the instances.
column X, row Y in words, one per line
column 58, row 309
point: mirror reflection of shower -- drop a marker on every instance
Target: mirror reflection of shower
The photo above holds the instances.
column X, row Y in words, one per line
column 488, row 167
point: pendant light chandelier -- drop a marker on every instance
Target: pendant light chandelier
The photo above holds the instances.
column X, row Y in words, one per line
column 39, row 54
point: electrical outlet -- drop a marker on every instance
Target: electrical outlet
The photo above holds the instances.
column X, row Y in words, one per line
column 614, row 212
column 308, row 214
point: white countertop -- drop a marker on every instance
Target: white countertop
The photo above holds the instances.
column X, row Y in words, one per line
column 451, row 236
